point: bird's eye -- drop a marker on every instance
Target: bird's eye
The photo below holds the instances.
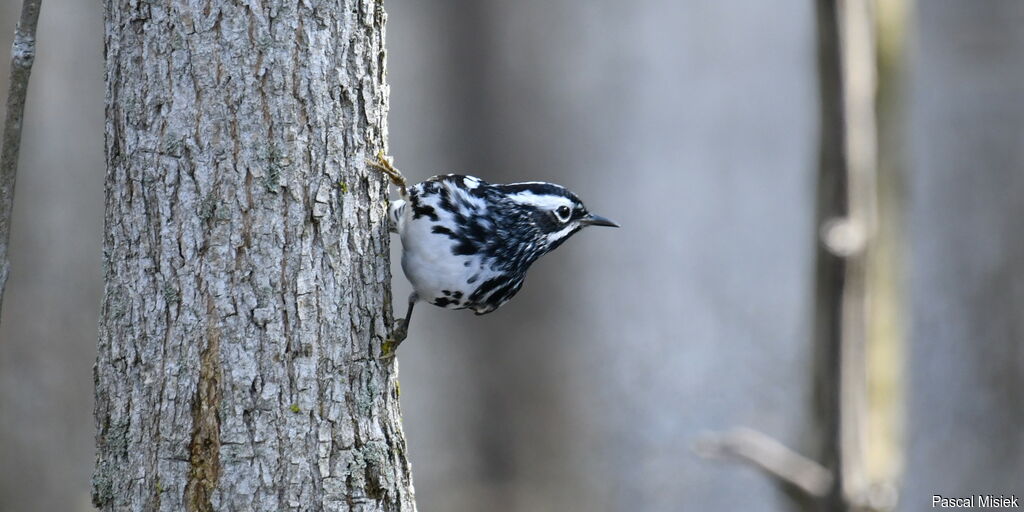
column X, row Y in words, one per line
column 563, row 213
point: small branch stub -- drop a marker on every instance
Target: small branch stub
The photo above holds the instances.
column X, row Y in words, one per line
column 844, row 237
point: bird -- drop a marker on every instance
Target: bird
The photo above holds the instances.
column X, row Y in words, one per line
column 467, row 244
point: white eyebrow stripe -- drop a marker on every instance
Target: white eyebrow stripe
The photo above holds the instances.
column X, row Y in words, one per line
column 545, row 201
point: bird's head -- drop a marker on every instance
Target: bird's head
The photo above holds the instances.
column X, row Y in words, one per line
column 555, row 210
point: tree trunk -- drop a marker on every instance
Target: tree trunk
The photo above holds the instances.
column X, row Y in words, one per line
column 246, row 261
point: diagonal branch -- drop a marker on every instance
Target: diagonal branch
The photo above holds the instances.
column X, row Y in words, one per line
column 770, row 456
column 23, row 53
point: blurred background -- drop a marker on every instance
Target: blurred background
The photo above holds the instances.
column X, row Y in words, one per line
column 696, row 125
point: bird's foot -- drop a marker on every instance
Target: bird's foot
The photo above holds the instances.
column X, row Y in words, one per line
column 398, row 334
column 383, row 165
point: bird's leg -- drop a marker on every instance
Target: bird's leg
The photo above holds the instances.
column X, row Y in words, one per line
column 383, row 165
column 400, row 330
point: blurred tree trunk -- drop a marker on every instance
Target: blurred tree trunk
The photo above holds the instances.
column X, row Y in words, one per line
column 846, row 221
column 246, row 262
column 830, row 268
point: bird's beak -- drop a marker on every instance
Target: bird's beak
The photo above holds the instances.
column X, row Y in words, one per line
column 597, row 220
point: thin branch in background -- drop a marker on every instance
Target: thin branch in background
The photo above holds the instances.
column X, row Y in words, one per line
column 23, row 54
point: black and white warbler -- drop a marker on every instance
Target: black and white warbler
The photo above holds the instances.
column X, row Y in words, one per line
column 467, row 244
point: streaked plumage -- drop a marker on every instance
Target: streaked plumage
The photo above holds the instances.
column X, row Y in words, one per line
column 467, row 244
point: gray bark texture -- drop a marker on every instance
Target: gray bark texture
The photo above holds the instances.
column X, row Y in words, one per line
column 246, row 261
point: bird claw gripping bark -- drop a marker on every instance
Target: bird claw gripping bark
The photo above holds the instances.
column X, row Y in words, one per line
column 400, row 329
column 383, row 165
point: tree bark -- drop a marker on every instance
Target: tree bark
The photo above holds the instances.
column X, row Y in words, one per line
column 246, row 261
